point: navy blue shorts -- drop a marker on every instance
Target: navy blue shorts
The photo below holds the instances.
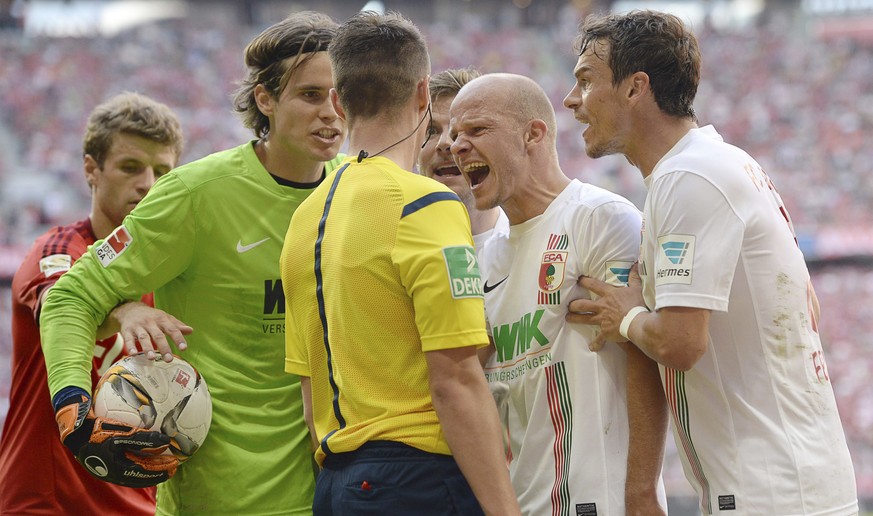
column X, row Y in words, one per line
column 387, row 478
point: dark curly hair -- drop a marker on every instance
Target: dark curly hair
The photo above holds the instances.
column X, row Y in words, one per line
column 656, row 43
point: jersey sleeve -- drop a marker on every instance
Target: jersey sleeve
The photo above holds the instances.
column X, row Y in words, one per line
column 610, row 241
column 151, row 247
column 51, row 256
column 296, row 361
column 698, row 242
column 296, row 356
column 440, row 272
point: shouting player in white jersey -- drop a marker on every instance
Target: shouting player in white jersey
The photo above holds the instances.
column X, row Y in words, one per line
column 569, row 413
column 725, row 303
column 435, row 159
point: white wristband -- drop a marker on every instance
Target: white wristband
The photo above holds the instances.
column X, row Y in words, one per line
column 629, row 318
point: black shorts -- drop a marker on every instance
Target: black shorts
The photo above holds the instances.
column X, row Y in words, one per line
column 388, row 478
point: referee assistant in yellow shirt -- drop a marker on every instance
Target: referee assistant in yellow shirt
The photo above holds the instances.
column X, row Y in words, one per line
column 384, row 304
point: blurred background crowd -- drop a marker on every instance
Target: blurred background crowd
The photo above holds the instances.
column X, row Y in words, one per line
column 787, row 81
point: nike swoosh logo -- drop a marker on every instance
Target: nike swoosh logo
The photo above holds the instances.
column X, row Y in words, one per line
column 488, row 288
column 240, row 248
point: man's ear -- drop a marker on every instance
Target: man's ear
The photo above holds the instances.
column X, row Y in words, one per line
column 536, row 132
column 422, row 93
column 91, row 169
column 638, row 87
column 334, row 100
column 264, row 100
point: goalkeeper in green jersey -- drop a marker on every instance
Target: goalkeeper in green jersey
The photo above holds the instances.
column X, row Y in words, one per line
column 206, row 241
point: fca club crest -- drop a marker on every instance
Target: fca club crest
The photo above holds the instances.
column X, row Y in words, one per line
column 551, row 275
column 552, row 270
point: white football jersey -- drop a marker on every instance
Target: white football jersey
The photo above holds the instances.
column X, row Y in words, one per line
column 500, row 226
column 564, row 408
column 755, row 420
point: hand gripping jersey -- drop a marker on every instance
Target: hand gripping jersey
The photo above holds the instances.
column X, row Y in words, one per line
column 38, row 475
column 380, row 268
column 564, row 407
column 755, row 420
column 206, row 240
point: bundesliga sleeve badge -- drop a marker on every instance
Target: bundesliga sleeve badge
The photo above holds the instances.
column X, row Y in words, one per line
column 113, row 246
column 55, row 263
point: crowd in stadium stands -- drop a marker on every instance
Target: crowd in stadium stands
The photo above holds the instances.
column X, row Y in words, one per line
column 846, row 296
column 800, row 105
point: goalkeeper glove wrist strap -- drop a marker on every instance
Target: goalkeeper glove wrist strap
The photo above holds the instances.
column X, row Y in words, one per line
column 70, row 417
column 68, row 396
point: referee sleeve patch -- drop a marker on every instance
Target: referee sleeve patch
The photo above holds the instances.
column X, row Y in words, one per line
column 113, row 246
column 463, row 268
column 55, row 263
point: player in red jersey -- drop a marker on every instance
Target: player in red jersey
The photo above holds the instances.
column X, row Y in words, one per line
column 130, row 141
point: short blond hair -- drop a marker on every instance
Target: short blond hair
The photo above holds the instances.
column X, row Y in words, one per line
column 131, row 113
column 449, row 82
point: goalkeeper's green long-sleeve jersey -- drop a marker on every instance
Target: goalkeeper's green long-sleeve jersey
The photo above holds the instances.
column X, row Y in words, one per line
column 206, row 240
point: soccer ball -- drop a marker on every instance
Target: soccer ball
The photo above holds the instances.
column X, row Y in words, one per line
column 169, row 397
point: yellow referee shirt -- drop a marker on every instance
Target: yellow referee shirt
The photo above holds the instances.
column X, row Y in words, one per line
column 378, row 267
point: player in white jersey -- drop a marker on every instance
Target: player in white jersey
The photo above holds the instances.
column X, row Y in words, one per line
column 733, row 314
column 565, row 410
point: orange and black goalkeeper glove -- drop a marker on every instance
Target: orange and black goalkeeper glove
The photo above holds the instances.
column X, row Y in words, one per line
column 111, row 450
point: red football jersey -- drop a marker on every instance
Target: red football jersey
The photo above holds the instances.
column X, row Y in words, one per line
column 38, row 475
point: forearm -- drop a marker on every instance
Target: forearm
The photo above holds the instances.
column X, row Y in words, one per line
column 469, row 420
column 484, row 353
column 647, row 421
column 470, row 424
column 675, row 337
column 67, row 333
column 306, row 393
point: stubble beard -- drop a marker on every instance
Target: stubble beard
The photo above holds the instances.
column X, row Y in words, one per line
column 599, row 151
